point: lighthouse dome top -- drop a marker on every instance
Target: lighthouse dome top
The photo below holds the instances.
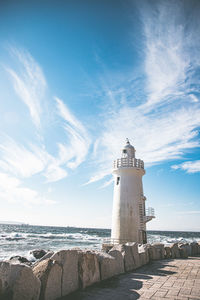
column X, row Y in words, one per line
column 128, row 150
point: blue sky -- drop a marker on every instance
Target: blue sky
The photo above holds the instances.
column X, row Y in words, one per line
column 76, row 79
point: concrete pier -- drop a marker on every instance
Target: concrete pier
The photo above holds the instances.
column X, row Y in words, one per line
column 163, row 279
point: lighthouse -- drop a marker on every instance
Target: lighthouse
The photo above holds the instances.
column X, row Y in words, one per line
column 129, row 215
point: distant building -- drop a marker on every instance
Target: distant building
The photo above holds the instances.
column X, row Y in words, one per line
column 129, row 216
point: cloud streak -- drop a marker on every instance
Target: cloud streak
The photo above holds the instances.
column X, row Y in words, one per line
column 164, row 125
column 24, row 162
column 29, row 82
column 73, row 153
column 189, row 166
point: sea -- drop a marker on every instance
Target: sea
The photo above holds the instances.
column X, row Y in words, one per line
column 22, row 239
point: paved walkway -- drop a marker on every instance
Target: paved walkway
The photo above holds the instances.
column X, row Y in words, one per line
column 165, row 279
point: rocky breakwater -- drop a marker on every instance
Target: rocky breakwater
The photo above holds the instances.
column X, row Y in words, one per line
column 58, row 274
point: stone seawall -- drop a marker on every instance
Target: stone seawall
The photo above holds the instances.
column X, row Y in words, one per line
column 58, row 274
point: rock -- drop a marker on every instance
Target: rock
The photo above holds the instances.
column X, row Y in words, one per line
column 88, row 268
column 143, row 255
column 198, row 247
column 50, row 274
column 68, row 260
column 18, row 282
column 156, row 251
column 108, row 265
column 127, row 253
column 1, row 288
column 47, row 255
column 175, row 253
column 160, row 250
column 38, row 253
column 152, row 252
column 106, row 247
column 118, row 260
column 183, row 251
column 19, row 260
column 194, row 248
column 135, row 253
column 167, row 252
column 189, row 249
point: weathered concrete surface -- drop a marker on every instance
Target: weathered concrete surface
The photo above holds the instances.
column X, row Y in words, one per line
column 50, row 274
column 160, row 250
column 183, row 251
column 108, row 265
column 143, row 254
column 161, row 279
column 68, row 260
column 127, row 253
column 119, row 259
column 175, row 251
column 17, row 282
column 88, row 267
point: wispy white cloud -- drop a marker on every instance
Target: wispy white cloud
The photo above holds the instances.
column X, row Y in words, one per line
column 24, row 162
column 157, row 138
column 194, row 98
column 100, row 175
column 170, row 56
column 189, row 166
column 33, row 159
column 164, row 125
column 29, row 82
column 18, row 160
column 12, row 190
column 74, row 152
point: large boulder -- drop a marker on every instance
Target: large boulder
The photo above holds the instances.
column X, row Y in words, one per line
column 127, row 253
column 198, row 247
column 160, row 250
column 88, row 268
column 47, row 255
column 175, row 253
column 156, row 251
column 118, row 260
column 68, row 260
column 106, row 247
column 188, row 248
column 18, row 282
column 135, row 253
column 194, row 248
column 167, row 251
column 50, row 274
column 108, row 265
column 19, row 260
column 183, row 251
column 152, row 252
column 38, row 253
column 1, row 289
column 143, row 254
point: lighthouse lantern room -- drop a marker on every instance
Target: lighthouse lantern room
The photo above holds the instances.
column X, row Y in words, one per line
column 129, row 215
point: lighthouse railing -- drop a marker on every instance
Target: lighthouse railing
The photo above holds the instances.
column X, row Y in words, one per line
column 112, row 241
column 128, row 163
column 150, row 212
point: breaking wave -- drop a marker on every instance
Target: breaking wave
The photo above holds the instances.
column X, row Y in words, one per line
column 21, row 239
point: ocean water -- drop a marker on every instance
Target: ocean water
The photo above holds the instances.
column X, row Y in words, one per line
column 21, row 239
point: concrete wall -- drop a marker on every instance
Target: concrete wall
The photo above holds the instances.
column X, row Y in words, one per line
column 69, row 270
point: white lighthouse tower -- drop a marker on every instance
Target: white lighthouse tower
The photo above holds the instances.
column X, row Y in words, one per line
column 129, row 216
